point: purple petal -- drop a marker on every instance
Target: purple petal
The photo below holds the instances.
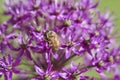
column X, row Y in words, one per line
column 55, row 55
column 16, row 63
column 73, row 66
column 16, row 70
column 20, row 39
column 10, row 59
column 63, row 75
column 47, row 56
column 20, row 54
column 28, row 54
column 8, row 76
column 67, row 53
column 39, row 71
column 94, row 5
column 12, row 48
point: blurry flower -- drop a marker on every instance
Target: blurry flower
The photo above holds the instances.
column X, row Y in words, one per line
column 7, row 66
column 46, row 75
column 52, row 34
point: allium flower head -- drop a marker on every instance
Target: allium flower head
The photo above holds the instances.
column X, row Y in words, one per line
column 51, row 36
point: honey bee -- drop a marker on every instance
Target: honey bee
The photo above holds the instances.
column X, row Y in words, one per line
column 52, row 39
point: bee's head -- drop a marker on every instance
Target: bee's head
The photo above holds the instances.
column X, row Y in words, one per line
column 49, row 35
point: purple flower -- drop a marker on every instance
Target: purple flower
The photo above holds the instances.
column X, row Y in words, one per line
column 23, row 48
column 72, row 72
column 72, row 45
column 48, row 74
column 7, row 67
column 52, row 34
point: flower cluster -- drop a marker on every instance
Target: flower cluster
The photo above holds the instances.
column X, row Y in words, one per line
column 47, row 38
column 7, row 67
